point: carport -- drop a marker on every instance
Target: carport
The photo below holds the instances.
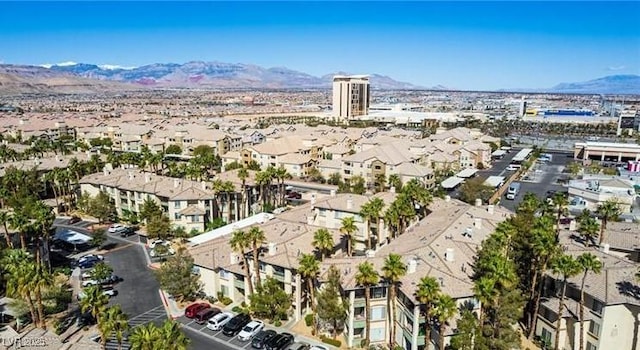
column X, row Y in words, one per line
column 494, row 181
column 467, row 173
column 73, row 238
column 451, row 182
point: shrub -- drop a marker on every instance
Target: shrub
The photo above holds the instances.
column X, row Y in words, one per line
column 277, row 323
column 226, row 301
column 237, row 309
column 210, row 299
column 331, row 341
column 308, row 320
column 62, row 270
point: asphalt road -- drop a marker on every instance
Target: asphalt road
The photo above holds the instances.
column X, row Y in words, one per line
column 199, row 341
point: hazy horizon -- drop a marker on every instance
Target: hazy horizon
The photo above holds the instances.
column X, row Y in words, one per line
column 460, row 45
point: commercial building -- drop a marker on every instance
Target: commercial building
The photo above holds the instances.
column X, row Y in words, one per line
column 351, row 96
column 606, row 151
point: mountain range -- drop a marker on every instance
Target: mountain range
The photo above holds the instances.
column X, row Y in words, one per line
column 70, row 77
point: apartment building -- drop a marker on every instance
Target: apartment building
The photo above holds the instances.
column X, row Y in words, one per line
column 612, row 302
column 351, row 96
column 189, row 204
column 441, row 245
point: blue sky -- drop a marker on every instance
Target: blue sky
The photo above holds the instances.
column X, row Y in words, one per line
column 463, row 45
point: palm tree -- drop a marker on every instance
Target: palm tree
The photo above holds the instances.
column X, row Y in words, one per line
column 426, row 294
column 371, row 212
column 145, row 337
column 589, row 229
column 5, row 219
column 20, row 222
column 588, row 262
column 94, row 301
column 393, row 270
column 40, row 279
column 392, row 220
column 281, row 174
column 309, row 269
column 243, row 174
column 419, row 196
column 20, row 268
column 257, row 238
column 444, row 308
column 348, row 228
column 239, row 242
column 113, row 322
column 566, row 266
column 608, row 210
column 560, row 204
column 486, row 292
column 395, row 182
column 323, row 242
column 367, row 277
column 171, row 337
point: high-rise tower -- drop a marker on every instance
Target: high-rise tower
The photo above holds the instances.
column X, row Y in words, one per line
column 350, row 96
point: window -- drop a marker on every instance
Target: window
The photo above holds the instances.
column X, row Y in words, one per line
column 377, row 334
column 224, row 290
column 322, row 212
column 378, row 313
column 224, row 274
column 176, row 204
column 591, row 346
column 176, row 216
column 546, row 335
column 597, row 307
column 594, row 328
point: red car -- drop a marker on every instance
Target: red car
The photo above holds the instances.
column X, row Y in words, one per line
column 192, row 310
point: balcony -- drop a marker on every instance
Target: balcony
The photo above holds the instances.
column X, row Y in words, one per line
column 238, row 283
column 278, row 275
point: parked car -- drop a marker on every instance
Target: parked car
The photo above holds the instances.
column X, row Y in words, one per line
column 299, row 346
column 115, row 228
column 109, row 291
column 205, row 314
column 318, row 347
column 89, row 257
column 193, row 309
column 109, row 280
column 88, row 264
column 128, row 231
column 280, row 342
column 73, row 220
column 218, row 321
column 153, row 244
column 294, row 195
column 235, row 325
column 262, row 337
column 250, row 330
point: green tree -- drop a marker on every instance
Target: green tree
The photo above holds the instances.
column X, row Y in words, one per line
column 444, row 308
column 475, row 188
column 331, row 307
column 98, row 237
column 94, row 302
column 589, row 229
column 588, row 263
column 173, row 149
column 102, row 207
column 366, row 277
column 239, row 242
column 393, row 270
column 309, row 268
column 19, row 267
column 270, row 301
column 323, row 242
column 467, row 330
column 257, row 238
column 609, row 210
column 159, row 227
column 145, row 337
column 149, row 209
column 380, row 181
column 101, row 271
column 334, row 179
column 565, row 266
column 5, row 219
column 371, row 211
column 395, row 182
column 560, row 204
column 348, row 228
column 358, row 185
column 117, row 323
column 426, row 294
column 176, row 277
column 574, row 168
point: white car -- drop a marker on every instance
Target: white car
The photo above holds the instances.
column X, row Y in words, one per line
column 91, row 257
column 318, row 347
column 216, row 322
column 153, row 244
column 106, row 291
column 87, row 274
column 87, row 283
column 115, row 228
column 153, row 252
column 252, row 328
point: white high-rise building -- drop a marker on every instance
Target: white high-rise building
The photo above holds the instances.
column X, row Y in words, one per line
column 350, row 96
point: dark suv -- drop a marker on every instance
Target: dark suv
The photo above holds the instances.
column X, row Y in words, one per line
column 262, row 338
column 279, row 342
column 128, row 231
column 235, row 325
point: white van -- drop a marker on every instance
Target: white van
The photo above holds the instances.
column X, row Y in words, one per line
column 514, row 167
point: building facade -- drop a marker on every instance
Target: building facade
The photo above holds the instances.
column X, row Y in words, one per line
column 351, row 97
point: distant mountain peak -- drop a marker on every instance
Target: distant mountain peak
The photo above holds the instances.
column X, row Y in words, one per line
column 612, row 84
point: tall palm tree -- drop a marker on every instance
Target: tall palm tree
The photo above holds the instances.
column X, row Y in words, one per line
column 257, row 238
column 243, row 174
column 426, row 294
column 20, row 268
column 40, row 279
column 113, row 322
column 609, row 210
column 566, row 266
column 5, row 219
column 309, row 269
column 323, row 242
column 145, row 337
column 239, row 243
column 588, row 262
column 348, row 228
column 392, row 220
column 281, row 174
column 444, row 308
column 419, row 195
column 20, row 222
column 588, row 228
column 371, row 212
column 486, row 292
column 395, row 181
column 560, row 204
column 393, row 270
column 94, row 301
column 366, row 277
